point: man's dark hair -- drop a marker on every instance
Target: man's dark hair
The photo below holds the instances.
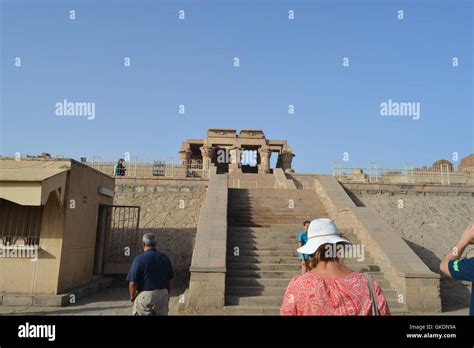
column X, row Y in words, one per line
column 306, row 222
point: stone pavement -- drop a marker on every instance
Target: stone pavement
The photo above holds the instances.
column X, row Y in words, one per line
column 111, row 301
column 114, row 301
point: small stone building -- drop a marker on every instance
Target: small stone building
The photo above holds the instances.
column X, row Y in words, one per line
column 49, row 212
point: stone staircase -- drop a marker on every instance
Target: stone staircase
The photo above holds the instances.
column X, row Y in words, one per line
column 261, row 242
column 251, row 181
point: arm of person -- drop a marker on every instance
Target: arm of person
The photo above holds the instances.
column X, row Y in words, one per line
column 300, row 244
column 169, row 285
column 132, row 278
column 132, row 289
column 450, row 264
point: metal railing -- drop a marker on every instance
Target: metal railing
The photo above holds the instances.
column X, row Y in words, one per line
column 161, row 168
column 407, row 173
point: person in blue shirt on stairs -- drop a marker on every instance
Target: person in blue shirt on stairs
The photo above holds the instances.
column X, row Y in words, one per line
column 302, row 240
column 461, row 269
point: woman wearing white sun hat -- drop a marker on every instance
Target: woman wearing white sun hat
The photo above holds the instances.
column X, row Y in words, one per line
column 330, row 288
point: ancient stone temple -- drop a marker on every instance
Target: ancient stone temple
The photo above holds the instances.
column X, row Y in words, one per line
column 226, row 149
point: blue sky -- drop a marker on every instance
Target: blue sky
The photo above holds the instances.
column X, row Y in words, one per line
column 282, row 62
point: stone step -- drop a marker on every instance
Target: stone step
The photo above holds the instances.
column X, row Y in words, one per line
column 256, row 252
column 263, row 266
column 270, row 239
column 264, row 234
column 259, row 282
column 252, row 310
column 280, row 282
column 268, row 300
column 239, row 273
column 258, row 222
column 308, row 196
column 236, row 273
column 262, row 246
column 269, row 219
column 277, row 201
column 249, row 291
column 235, row 249
column 249, row 262
column 258, row 259
column 284, row 236
column 276, row 205
column 289, row 257
column 275, row 310
column 295, row 196
column 276, row 227
column 261, row 209
column 245, row 208
column 254, row 300
column 305, row 213
column 295, row 266
column 272, row 234
column 269, row 191
column 274, row 202
column 299, row 216
column 256, row 291
column 243, row 212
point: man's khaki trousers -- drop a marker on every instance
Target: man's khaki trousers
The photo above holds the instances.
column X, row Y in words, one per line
column 153, row 302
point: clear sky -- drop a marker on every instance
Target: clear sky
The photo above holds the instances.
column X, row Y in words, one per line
column 191, row 62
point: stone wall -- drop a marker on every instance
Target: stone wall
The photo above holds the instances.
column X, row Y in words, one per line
column 430, row 221
column 169, row 211
column 409, row 277
column 208, row 268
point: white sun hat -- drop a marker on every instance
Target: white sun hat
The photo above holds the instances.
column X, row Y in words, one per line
column 321, row 231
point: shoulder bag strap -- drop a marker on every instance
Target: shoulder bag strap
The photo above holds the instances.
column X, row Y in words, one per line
column 375, row 310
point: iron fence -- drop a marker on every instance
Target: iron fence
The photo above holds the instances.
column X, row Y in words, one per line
column 168, row 168
column 407, row 173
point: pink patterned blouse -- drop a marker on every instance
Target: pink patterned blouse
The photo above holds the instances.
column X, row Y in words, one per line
column 309, row 294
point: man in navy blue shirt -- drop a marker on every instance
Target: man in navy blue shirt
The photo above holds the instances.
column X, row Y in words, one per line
column 150, row 280
column 461, row 269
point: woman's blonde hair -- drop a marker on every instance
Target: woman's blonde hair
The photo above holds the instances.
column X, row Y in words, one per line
column 322, row 255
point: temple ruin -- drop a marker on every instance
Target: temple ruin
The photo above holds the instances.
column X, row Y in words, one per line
column 226, row 144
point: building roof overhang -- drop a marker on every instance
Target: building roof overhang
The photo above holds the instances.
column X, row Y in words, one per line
column 32, row 186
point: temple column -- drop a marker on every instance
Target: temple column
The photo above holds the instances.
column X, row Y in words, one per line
column 265, row 154
column 235, row 156
column 185, row 156
column 284, row 160
column 207, row 153
column 185, row 153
